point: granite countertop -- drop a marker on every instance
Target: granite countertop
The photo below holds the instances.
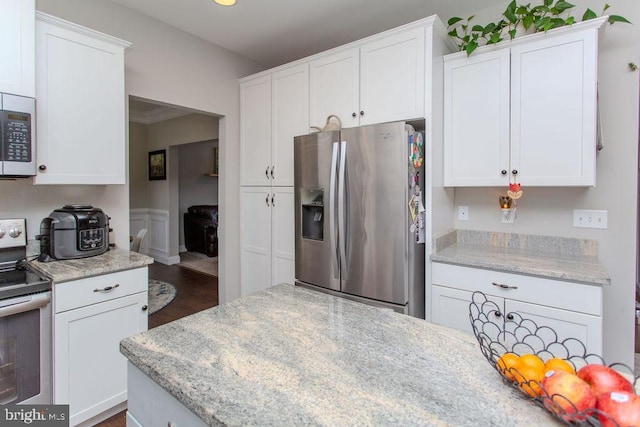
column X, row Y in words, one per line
column 293, row 356
column 544, row 256
column 116, row 259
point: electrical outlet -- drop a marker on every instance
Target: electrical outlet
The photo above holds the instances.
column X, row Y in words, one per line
column 590, row 218
column 463, row 213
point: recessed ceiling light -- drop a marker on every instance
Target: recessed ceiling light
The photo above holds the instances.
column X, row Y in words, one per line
column 225, row 2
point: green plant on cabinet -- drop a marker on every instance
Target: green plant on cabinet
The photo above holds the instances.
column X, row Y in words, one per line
column 516, row 18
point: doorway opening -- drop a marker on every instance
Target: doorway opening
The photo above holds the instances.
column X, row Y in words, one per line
column 189, row 142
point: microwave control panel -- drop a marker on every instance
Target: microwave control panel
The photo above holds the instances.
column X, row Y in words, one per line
column 16, row 136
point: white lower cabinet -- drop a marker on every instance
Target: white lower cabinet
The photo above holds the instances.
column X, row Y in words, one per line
column 91, row 317
column 572, row 310
column 267, row 233
column 150, row 405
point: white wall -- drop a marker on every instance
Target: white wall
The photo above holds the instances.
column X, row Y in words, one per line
column 170, row 66
column 550, row 211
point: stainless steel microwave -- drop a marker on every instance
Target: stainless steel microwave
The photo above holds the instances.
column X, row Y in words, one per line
column 17, row 136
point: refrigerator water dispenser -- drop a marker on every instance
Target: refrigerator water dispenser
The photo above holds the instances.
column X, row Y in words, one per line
column 312, row 214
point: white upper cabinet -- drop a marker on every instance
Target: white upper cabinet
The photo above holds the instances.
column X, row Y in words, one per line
column 525, row 112
column 17, row 47
column 392, row 78
column 290, row 110
column 255, row 131
column 476, row 110
column 379, row 81
column 274, row 109
column 80, row 104
column 334, row 88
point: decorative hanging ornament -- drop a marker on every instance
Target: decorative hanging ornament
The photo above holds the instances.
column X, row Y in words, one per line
column 514, row 191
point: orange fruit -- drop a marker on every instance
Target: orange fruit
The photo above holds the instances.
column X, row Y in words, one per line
column 529, row 377
column 505, row 362
column 533, row 361
column 557, row 364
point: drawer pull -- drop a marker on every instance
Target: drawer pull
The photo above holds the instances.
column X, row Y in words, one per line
column 503, row 286
column 107, row 289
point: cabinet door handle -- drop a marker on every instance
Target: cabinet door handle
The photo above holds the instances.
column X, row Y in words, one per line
column 145, row 307
column 272, row 169
column 361, row 113
column 497, row 313
column 515, row 171
column 267, row 199
column 503, row 171
column 266, row 172
column 510, row 316
column 353, row 114
column 273, row 200
column 42, row 168
column 503, row 286
column 107, row 289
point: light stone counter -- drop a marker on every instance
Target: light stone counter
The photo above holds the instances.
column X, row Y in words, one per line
column 562, row 258
column 116, row 259
column 293, row 356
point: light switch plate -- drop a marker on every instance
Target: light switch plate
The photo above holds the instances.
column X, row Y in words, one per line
column 463, row 213
column 590, row 218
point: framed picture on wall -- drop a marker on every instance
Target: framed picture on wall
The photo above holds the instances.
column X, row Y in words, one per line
column 157, row 165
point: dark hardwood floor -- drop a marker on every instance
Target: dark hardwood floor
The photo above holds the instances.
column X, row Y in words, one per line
column 196, row 292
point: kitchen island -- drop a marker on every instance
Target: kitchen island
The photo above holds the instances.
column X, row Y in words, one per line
column 293, row 356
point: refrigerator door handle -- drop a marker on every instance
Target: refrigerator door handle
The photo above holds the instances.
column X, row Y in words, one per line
column 341, row 209
column 332, row 215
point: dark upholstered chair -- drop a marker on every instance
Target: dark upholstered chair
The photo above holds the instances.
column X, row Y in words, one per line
column 201, row 229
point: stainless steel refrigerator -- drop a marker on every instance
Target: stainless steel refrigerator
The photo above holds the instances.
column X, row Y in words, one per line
column 359, row 219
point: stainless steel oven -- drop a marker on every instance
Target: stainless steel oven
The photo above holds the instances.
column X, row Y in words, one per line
column 25, row 322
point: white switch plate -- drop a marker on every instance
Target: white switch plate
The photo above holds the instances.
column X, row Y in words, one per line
column 463, row 213
column 590, row 218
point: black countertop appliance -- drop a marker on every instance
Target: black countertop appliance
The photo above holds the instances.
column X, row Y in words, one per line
column 73, row 231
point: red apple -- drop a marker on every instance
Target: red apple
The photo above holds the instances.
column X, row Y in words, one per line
column 604, row 379
column 622, row 406
column 568, row 391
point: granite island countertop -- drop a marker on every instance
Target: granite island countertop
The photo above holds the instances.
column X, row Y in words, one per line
column 543, row 256
column 116, row 259
column 293, row 356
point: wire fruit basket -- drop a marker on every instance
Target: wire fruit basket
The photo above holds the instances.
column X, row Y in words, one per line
column 499, row 334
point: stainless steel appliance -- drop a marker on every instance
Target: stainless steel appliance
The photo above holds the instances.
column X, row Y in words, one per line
column 73, row 231
column 25, row 322
column 17, row 136
column 359, row 219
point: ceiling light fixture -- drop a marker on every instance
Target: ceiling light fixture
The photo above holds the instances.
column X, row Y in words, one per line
column 225, row 2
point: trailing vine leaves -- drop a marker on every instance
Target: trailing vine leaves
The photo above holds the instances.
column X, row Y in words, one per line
column 543, row 17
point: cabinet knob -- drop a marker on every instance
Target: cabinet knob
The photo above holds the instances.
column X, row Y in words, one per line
column 145, row 307
column 273, row 200
column 42, row 168
column 497, row 313
column 266, row 172
column 361, row 113
column 515, row 171
column 267, row 199
column 353, row 114
column 272, row 169
column 503, row 171
column 510, row 316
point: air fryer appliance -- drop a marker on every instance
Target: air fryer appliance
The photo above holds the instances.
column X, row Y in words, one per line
column 360, row 218
column 73, row 231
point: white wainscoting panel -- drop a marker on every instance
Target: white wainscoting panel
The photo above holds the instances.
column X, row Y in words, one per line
column 157, row 224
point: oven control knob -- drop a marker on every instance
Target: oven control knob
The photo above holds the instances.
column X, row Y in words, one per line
column 15, row 232
column 2, row 232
